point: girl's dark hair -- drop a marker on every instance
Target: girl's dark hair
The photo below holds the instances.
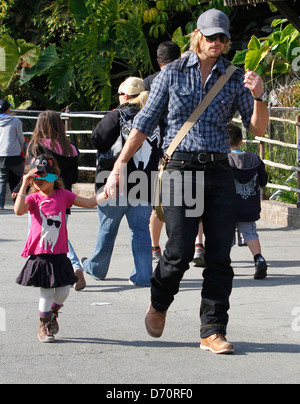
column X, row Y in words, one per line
column 50, row 126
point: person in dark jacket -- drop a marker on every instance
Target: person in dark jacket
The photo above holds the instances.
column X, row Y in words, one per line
column 166, row 53
column 108, row 137
column 249, row 174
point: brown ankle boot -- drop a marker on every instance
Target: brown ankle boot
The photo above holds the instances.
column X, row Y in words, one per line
column 216, row 344
column 155, row 322
column 81, row 283
column 45, row 334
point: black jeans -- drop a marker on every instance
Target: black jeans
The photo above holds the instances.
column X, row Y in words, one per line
column 218, row 220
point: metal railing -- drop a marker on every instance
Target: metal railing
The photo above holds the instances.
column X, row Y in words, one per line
column 263, row 141
column 67, row 117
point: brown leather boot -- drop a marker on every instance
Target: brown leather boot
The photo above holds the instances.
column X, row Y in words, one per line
column 53, row 323
column 45, row 334
column 155, row 322
column 217, row 344
column 81, row 283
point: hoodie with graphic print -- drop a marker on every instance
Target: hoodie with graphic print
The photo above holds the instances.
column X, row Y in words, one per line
column 249, row 174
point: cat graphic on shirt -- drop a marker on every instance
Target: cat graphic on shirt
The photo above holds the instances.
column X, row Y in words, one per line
column 50, row 228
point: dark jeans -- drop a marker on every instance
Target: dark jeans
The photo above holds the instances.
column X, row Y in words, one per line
column 219, row 220
column 12, row 176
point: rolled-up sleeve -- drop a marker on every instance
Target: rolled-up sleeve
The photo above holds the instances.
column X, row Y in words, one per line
column 147, row 119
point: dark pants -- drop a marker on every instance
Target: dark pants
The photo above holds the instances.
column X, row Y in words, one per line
column 218, row 220
column 10, row 175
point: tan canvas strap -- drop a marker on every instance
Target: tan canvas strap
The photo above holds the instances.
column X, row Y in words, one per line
column 199, row 111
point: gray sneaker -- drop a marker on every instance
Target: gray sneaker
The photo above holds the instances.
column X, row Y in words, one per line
column 199, row 257
column 156, row 254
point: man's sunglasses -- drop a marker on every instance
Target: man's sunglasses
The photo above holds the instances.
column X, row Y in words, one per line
column 222, row 37
column 129, row 96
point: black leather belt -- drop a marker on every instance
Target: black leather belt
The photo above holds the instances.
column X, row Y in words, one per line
column 202, row 158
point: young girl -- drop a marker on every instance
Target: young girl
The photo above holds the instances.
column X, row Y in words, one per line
column 49, row 137
column 47, row 245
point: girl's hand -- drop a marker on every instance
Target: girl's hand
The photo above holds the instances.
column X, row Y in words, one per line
column 28, row 177
column 101, row 197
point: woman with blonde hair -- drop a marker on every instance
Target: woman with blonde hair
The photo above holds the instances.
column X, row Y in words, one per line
column 111, row 132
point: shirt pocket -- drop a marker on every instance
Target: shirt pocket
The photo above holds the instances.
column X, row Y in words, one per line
column 221, row 106
column 180, row 99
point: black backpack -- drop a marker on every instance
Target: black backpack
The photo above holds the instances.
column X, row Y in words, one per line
column 107, row 159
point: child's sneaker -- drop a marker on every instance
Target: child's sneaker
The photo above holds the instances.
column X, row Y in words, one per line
column 156, row 254
column 260, row 268
column 199, row 259
column 45, row 332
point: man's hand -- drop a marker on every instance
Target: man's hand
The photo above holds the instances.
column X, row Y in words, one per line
column 260, row 116
column 254, row 82
column 112, row 185
column 115, row 181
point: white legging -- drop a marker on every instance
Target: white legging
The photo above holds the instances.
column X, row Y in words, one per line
column 49, row 296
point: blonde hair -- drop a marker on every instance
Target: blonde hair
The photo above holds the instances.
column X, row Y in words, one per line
column 196, row 39
column 135, row 89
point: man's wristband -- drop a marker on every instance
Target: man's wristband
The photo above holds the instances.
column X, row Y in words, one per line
column 263, row 98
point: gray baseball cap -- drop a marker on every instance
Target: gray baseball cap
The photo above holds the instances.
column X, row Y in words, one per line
column 213, row 22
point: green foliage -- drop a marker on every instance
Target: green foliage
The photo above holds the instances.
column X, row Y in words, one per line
column 182, row 41
column 272, row 56
column 287, row 133
column 287, row 196
column 109, row 44
column 85, row 48
column 160, row 15
column 17, row 55
column 255, row 54
column 100, row 41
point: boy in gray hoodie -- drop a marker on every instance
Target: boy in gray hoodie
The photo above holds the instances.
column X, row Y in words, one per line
column 249, row 174
column 12, row 144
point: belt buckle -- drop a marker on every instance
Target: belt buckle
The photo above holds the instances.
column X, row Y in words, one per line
column 202, row 158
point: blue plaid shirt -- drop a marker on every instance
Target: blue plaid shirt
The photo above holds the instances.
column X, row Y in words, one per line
column 176, row 92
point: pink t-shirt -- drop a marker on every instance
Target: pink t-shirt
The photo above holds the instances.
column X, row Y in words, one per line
column 48, row 232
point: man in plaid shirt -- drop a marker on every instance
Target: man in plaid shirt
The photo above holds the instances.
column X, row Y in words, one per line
column 175, row 93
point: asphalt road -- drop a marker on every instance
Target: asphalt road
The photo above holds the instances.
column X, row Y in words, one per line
column 103, row 339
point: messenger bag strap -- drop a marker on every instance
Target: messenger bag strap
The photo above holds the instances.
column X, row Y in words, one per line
column 199, row 111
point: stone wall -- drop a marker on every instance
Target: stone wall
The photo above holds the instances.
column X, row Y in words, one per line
column 280, row 213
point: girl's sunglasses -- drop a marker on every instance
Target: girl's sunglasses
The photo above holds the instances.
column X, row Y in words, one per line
column 56, row 223
column 222, row 37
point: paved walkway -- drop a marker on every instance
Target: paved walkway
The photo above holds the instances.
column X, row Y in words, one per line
column 103, row 339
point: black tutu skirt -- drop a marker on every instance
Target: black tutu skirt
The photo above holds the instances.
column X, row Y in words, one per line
column 47, row 271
